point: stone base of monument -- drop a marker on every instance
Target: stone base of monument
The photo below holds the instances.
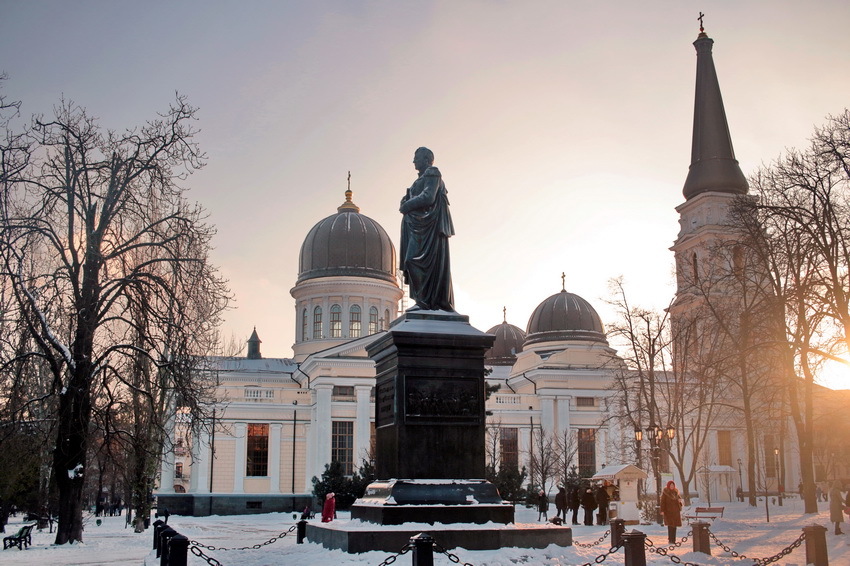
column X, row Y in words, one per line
column 357, row 536
column 395, row 502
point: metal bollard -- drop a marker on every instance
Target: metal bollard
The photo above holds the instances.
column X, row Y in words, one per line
column 635, row 544
column 157, row 528
column 301, row 531
column 162, row 551
column 423, row 549
column 178, row 551
column 816, row 552
column 702, row 542
column 618, row 527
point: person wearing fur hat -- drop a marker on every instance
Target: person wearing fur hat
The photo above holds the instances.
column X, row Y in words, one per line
column 671, row 510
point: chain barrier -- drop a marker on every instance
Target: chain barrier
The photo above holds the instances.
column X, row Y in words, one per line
column 252, row 547
column 592, row 544
column 602, row 557
column 784, row 552
column 726, row 548
column 390, row 559
column 664, row 551
column 453, row 557
column 200, row 553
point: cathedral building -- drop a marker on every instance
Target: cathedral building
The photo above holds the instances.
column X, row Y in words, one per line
column 279, row 422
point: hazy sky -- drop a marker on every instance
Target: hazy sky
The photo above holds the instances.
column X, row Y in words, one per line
column 562, row 128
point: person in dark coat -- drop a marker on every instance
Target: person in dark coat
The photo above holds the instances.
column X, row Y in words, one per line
column 574, row 502
column 561, row 503
column 671, row 510
column 602, row 500
column 588, row 502
column 542, row 505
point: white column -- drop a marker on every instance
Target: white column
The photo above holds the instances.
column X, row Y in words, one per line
column 601, row 447
column 323, row 427
column 274, row 457
column 200, row 463
column 240, row 455
column 563, row 409
column 362, row 426
column 524, row 446
column 547, row 413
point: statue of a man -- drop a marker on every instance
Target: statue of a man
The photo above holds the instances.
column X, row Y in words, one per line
column 425, row 231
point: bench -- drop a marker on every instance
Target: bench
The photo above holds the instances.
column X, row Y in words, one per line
column 705, row 513
column 21, row 539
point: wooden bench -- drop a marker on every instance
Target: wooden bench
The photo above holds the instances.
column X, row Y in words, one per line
column 21, row 539
column 704, row 513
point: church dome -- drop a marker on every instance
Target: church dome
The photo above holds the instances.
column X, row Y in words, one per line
column 507, row 345
column 347, row 243
column 564, row 316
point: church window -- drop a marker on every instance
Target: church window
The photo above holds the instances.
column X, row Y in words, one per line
column 724, row 447
column 373, row 320
column 178, row 470
column 585, row 402
column 738, row 261
column 695, row 268
column 317, row 323
column 386, row 323
column 354, row 322
column 509, row 447
column 769, row 457
column 342, row 445
column 336, row 321
column 586, row 452
column 304, row 325
column 343, row 393
column 258, row 450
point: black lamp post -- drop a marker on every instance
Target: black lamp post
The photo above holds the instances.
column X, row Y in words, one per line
column 778, row 475
column 294, row 422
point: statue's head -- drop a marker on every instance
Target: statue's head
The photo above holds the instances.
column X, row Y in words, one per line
column 424, row 157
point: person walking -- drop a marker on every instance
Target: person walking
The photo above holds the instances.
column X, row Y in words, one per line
column 561, row 503
column 602, row 500
column 836, row 506
column 542, row 505
column 588, row 502
column 329, row 508
column 671, row 510
column 574, row 502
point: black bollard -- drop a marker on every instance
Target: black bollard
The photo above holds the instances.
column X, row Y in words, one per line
column 178, row 551
column 301, row 532
column 618, row 527
column 423, row 549
column 162, row 552
column 816, row 552
column 702, row 542
column 157, row 528
column 635, row 544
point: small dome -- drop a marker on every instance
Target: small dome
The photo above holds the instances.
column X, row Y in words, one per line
column 347, row 243
column 508, row 344
column 564, row 316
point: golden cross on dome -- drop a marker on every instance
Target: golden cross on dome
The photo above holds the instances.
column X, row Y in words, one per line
column 504, row 314
column 563, row 281
column 349, row 180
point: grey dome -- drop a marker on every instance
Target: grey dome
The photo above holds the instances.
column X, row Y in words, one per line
column 508, row 344
column 347, row 243
column 564, row 316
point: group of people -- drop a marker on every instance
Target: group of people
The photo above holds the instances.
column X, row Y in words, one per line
column 578, row 497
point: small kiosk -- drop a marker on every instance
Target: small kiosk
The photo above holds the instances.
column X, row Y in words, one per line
column 625, row 479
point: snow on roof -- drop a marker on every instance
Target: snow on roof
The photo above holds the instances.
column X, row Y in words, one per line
column 621, row 472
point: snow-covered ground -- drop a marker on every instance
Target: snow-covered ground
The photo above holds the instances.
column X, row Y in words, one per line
column 743, row 529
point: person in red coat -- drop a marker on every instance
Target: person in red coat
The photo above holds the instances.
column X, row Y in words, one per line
column 329, row 509
column 671, row 510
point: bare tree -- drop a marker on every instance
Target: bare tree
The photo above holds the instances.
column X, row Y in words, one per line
column 100, row 245
column 543, row 459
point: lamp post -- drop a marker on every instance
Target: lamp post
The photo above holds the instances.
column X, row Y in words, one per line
column 740, row 480
column 638, row 439
column 294, row 421
column 778, row 474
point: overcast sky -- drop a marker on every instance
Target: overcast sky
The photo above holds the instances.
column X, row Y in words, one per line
column 562, row 128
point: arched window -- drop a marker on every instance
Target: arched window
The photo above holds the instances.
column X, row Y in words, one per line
column 354, row 321
column 304, row 325
column 695, row 267
column 317, row 323
column 386, row 323
column 373, row 320
column 336, row 321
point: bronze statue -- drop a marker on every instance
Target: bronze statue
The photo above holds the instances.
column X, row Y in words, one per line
column 425, row 232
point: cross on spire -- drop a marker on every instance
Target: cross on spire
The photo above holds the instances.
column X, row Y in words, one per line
column 349, row 180
column 504, row 314
column 563, row 281
column 701, row 28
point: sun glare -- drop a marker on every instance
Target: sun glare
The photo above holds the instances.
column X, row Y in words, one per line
column 835, row 375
